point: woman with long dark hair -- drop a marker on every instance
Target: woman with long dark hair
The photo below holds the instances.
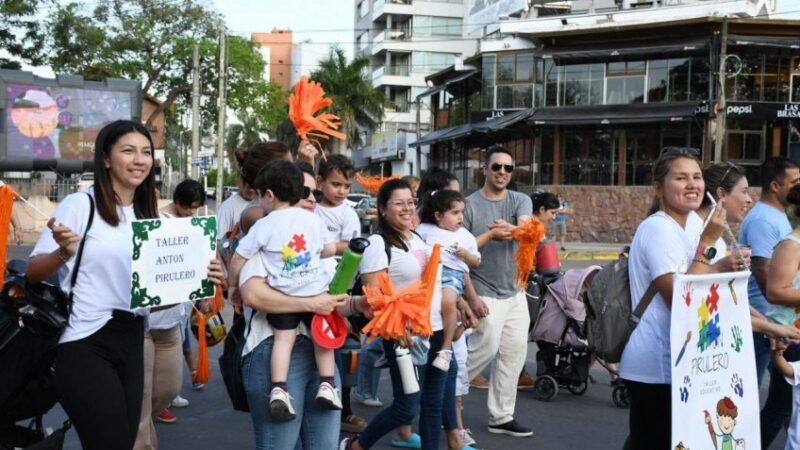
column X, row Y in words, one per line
column 99, row 364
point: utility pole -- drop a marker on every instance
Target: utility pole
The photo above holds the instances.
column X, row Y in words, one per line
column 195, row 109
column 221, row 114
column 719, row 132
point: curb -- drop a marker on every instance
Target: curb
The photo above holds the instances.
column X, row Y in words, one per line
column 588, row 255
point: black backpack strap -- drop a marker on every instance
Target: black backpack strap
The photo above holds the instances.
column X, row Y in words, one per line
column 79, row 255
column 647, row 298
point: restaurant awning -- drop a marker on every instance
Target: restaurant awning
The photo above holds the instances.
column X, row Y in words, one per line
column 467, row 129
column 435, row 89
column 617, row 114
column 623, row 51
column 765, row 41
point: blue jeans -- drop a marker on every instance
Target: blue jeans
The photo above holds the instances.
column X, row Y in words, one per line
column 319, row 427
column 404, row 407
column 433, row 396
column 761, row 347
column 368, row 376
column 449, row 419
column 778, row 407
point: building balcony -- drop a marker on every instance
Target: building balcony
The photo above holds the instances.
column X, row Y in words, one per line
column 382, row 8
column 392, row 76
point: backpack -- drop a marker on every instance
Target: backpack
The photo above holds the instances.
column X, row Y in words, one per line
column 609, row 319
column 230, row 364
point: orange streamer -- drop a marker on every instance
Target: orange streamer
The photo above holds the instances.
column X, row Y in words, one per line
column 305, row 104
column 203, row 363
column 529, row 234
column 372, row 183
column 7, row 195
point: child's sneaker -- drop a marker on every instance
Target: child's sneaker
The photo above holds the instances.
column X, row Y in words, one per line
column 328, row 396
column 280, row 405
column 442, row 361
column 466, row 436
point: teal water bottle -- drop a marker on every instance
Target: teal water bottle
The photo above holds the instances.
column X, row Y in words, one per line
column 348, row 266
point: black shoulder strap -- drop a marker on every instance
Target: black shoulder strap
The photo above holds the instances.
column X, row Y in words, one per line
column 79, row 255
column 647, row 298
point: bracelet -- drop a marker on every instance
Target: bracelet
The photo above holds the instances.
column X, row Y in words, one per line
column 701, row 261
column 350, row 304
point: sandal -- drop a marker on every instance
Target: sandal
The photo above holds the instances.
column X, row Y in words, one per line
column 353, row 424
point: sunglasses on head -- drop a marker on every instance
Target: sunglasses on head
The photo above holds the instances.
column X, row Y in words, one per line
column 497, row 166
column 675, row 150
column 731, row 166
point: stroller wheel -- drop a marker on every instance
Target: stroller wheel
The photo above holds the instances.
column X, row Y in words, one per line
column 620, row 396
column 578, row 389
column 545, row 388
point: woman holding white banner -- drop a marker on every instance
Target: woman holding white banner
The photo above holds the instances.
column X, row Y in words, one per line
column 664, row 244
column 99, row 364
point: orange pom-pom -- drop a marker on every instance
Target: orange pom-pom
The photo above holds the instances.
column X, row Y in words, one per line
column 203, row 374
column 7, row 195
column 395, row 313
column 372, row 183
column 529, row 234
column 305, row 102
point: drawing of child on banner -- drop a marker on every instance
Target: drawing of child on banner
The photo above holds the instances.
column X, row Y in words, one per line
column 713, row 363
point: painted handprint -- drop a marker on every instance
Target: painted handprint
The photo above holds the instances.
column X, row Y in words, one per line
column 737, row 385
column 737, row 338
column 684, row 390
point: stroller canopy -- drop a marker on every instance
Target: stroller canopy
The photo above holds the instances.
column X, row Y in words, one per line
column 563, row 300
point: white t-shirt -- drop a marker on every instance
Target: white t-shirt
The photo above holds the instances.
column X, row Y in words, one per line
column 230, row 211
column 793, row 433
column 450, row 241
column 289, row 242
column 258, row 328
column 660, row 246
column 103, row 282
column 406, row 267
column 341, row 223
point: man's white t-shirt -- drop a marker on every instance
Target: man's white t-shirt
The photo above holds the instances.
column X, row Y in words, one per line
column 230, row 211
column 406, row 267
column 289, row 242
column 660, row 246
column 341, row 223
column 450, row 241
column 104, row 278
column 793, row 433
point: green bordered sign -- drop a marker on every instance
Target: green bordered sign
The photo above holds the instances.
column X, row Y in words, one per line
column 170, row 260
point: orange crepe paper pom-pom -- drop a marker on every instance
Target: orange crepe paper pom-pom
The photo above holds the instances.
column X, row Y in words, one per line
column 210, row 307
column 372, row 183
column 7, row 195
column 305, row 103
column 529, row 234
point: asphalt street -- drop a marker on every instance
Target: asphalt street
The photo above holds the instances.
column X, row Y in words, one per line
column 590, row 421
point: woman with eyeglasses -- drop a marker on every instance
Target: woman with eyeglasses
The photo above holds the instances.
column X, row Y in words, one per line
column 664, row 244
column 397, row 250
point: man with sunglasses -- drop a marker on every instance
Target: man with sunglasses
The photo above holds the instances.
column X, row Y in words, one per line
column 502, row 333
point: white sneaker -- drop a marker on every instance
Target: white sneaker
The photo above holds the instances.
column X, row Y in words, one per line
column 442, row 361
column 381, row 363
column 374, row 402
column 466, row 437
column 328, row 396
column 280, row 405
column 180, row 402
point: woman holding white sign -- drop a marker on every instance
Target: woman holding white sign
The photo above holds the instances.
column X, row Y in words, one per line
column 99, row 366
column 664, row 244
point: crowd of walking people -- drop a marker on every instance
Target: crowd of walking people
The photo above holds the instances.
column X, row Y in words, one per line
column 118, row 369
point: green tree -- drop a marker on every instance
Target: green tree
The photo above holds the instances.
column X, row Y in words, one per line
column 357, row 103
column 21, row 35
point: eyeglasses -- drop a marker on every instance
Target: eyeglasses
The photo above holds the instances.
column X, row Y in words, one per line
column 412, row 203
column 497, row 166
column 308, row 192
column 675, row 150
column 731, row 166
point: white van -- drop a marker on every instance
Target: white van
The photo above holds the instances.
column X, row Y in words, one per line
column 85, row 182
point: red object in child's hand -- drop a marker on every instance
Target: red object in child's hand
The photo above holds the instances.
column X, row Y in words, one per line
column 329, row 331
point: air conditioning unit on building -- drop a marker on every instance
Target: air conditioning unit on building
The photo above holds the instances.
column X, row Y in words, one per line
column 401, row 154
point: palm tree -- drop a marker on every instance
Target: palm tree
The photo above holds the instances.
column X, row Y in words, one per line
column 243, row 135
column 357, row 103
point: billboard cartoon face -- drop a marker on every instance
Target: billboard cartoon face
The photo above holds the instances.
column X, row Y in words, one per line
column 34, row 114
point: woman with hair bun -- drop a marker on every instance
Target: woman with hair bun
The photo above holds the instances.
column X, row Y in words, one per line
column 783, row 278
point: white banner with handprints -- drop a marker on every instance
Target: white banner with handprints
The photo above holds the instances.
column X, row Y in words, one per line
column 170, row 260
column 714, row 391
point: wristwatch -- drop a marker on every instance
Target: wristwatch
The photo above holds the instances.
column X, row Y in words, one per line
column 706, row 252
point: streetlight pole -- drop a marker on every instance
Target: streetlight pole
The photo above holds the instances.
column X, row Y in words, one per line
column 221, row 114
column 195, row 107
column 719, row 131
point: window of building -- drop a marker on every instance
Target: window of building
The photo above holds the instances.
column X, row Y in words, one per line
column 427, row 62
column 488, row 81
column 363, row 8
column 625, row 82
column 795, row 81
column 551, row 72
column 582, row 84
column 589, row 157
column 436, row 26
column 745, row 141
column 515, row 96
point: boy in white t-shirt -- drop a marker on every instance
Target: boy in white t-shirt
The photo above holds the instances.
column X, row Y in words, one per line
column 290, row 242
column 791, row 371
column 334, row 179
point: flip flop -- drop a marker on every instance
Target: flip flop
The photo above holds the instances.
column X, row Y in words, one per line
column 413, row 441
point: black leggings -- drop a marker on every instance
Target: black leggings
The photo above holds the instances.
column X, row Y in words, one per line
column 650, row 417
column 100, row 381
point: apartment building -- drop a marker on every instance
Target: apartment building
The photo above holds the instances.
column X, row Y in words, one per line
column 406, row 40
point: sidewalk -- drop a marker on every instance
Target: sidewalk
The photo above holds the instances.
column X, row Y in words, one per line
column 591, row 251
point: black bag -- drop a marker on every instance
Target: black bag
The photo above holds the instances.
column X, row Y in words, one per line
column 230, row 363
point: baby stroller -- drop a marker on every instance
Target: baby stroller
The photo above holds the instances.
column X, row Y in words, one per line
column 563, row 358
column 27, row 387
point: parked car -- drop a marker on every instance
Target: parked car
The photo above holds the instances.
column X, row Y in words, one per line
column 367, row 210
column 227, row 191
column 353, row 199
column 85, row 181
column 211, row 192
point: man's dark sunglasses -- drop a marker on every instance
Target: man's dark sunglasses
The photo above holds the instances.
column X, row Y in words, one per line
column 675, row 150
column 497, row 166
column 317, row 193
